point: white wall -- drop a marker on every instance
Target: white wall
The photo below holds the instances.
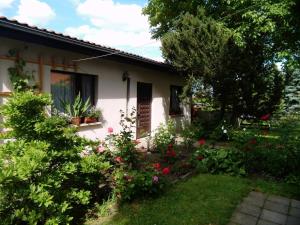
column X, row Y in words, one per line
column 111, row 89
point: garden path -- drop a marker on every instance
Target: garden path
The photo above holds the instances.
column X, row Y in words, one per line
column 262, row 209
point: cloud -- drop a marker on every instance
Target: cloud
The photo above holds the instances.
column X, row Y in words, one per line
column 114, row 24
column 4, row 4
column 34, row 12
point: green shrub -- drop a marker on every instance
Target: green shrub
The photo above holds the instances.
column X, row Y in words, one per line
column 222, row 160
column 129, row 184
column 164, row 135
column 23, row 111
column 276, row 158
column 121, row 144
column 191, row 134
column 47, row 175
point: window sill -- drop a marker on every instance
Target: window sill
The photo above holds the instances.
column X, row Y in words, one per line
column 176, row 115
column 89, row 124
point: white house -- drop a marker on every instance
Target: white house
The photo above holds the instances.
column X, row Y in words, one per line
column 115, row 81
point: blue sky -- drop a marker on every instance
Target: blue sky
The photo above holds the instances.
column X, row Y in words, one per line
column 113, row 23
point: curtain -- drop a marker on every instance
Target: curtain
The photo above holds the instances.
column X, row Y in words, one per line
column 62, row 89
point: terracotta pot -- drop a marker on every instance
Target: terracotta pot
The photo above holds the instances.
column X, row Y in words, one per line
column 90, row 120
column 76, row 121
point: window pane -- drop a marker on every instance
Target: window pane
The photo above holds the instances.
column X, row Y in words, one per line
column 87, row 88
column 62, row 89
column 175, row 103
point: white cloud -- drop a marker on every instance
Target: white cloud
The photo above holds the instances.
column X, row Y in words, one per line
column 34, row 12
column 4, row 4
column 114, row 24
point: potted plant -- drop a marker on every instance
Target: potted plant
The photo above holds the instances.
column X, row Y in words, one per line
column 76, row 110
column 92, row 115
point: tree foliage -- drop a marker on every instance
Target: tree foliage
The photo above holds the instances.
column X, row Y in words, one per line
column 237, row 43
column 292, row 92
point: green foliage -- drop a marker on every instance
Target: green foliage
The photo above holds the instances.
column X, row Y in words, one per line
column 121, row 144
column 23, row 111
column 261, row 34
column 292, row 92
column 134, row 183
column 21, row 79
column 50, row 181
column 93, row 112
column 192, row 133
column 196, row 44
column 78, row 108
column 277, row 158
column 164, row 135
column 222, row 160
column 275, row 22
column 221, row 132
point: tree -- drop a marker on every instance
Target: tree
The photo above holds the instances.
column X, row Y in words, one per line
column 195, row 45
column 292, row 93
column 244, row 79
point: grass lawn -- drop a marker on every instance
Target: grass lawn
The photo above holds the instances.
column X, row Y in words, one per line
column 203, row 199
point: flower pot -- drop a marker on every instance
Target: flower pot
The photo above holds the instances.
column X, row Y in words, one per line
column 76, row 121
column 90, row 120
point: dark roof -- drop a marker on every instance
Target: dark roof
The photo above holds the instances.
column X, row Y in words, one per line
column 22, row 31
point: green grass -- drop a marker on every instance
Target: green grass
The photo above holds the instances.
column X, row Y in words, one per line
column 203, row 199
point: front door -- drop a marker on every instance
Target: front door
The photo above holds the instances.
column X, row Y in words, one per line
column 144, row 100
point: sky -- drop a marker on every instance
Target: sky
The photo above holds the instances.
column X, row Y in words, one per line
column 113, row 23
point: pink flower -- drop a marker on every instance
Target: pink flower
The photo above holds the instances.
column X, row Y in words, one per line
column 166, row 170
column 110, row 130
column 155, row 179
column 201, row 141
column 265, row 117
column 100, row 149
column 119, row 159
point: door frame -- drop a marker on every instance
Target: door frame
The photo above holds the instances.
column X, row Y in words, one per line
column 138, row 135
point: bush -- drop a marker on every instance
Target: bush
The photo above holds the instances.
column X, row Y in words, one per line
column 23, row 111
column 222, row 160
column 121, row 144
column 129, row 184
column 191, row 134
column 164, row 135
column 276, row 158
column 50, row 181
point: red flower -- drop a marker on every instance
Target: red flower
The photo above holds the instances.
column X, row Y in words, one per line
column 119, row 159
column 110, row 130
column 253, row 141
column 170, row 146
column 157, row 166
column 200, row 157
column 171, row 153
column 201, row 141
column 265, row 117
column 166, row 170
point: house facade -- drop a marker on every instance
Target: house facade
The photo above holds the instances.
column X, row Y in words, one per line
column 113, row 80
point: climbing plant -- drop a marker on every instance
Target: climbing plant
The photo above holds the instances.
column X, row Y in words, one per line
column 21, row 79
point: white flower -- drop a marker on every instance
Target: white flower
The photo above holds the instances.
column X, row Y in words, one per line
column 222, row 127
column 225, row 131
column 244, row 129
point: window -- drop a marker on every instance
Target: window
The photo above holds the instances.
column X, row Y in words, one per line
column 175, row 102
column 66, row 86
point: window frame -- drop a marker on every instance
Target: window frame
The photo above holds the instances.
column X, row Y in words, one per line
column 78, row 77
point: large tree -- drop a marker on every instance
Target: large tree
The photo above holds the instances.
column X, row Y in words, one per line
column 242, row 71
